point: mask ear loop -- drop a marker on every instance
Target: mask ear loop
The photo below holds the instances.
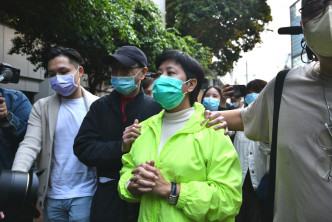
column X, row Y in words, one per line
column 76, row 84
column 186, row 83
column 303, row 46
column 310, row 54
column 136, row 75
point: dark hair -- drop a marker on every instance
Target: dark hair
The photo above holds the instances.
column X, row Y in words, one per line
column 147, row 82
column 256, row 85
column 210, row 87
column 73, row 55
column 190, row 66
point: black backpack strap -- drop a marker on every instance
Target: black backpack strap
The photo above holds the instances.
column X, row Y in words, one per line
column 279, row 84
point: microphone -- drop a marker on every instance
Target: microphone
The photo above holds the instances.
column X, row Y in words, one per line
column 6, row 75
column 291, row 30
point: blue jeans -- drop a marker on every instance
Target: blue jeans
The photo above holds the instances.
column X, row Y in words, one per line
column 63, row 210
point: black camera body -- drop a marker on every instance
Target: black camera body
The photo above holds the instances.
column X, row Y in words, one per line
column 9, row 74
column 239, row 91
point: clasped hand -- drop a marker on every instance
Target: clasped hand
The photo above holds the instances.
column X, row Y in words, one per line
column 148, row 179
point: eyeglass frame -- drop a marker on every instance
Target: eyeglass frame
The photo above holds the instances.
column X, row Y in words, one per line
column 123, row 68
column 328, row 175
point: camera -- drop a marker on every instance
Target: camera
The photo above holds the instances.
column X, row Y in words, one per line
column 18, row 192
column 9, row 74
column 239, row 91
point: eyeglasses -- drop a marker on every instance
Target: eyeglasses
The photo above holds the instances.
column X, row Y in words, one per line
column 323, row 164
column 121, row 69
column 314, row 9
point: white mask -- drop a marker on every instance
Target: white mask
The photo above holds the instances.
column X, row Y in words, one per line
column 236, row 104
column 318, row 33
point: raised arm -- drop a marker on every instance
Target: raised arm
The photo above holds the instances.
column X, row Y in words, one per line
column 232, row 118
column 20, row 109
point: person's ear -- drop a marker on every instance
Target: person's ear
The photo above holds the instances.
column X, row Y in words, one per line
column 144, row 71
column 191, row 85
column 80, row 71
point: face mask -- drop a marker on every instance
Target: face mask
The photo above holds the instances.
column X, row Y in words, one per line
column 236, row 104
column 64, row 84
column 124, row 84
column 318, row 33
column 251, row 97
column 167, row 91
column 211, row 104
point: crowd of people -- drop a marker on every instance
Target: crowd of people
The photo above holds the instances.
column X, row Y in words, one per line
column 149, row 151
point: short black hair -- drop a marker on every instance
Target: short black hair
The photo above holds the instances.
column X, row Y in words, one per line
column 256, row 85
column 73, row 55
column 207, row 89
column 190, row 66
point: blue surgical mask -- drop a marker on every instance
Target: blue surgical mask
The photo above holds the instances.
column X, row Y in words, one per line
column 124, row 84
column 211, row 104
column 64, row 84
column 167, row 91
column 251, row 97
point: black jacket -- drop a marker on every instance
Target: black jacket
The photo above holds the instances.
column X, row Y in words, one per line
column 98, row 144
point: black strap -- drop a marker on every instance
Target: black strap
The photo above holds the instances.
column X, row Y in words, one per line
column 279, row 84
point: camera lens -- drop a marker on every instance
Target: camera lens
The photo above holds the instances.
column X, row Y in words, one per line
column 18, row 192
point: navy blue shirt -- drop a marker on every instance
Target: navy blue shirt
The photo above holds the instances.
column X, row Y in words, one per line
column 13, row 133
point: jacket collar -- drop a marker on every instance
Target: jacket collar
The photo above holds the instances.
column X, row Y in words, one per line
column 53, row 110
column 88, row 98
column 54, row 106
column 131, row 108
column 192, row 125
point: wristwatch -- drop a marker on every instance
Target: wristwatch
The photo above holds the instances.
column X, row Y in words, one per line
column 173, row 198
column 7, row 118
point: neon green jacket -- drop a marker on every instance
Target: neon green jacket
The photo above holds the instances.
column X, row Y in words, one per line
column 203, row 161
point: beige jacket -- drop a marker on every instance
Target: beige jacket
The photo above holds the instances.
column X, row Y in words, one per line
column 38, row 141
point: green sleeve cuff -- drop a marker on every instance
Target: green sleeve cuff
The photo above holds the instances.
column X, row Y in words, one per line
column 124, row 192
column 184, row 192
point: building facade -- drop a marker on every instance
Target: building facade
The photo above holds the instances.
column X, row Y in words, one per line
column 32, row 82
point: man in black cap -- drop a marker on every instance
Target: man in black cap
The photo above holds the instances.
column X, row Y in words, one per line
column 99, row 141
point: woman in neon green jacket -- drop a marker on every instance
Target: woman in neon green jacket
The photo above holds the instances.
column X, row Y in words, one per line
column 177, row 169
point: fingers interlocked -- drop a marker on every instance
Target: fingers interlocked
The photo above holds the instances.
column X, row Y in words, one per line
column 144, row 177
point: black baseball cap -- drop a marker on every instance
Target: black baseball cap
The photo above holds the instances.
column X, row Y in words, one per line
column 127, row 56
